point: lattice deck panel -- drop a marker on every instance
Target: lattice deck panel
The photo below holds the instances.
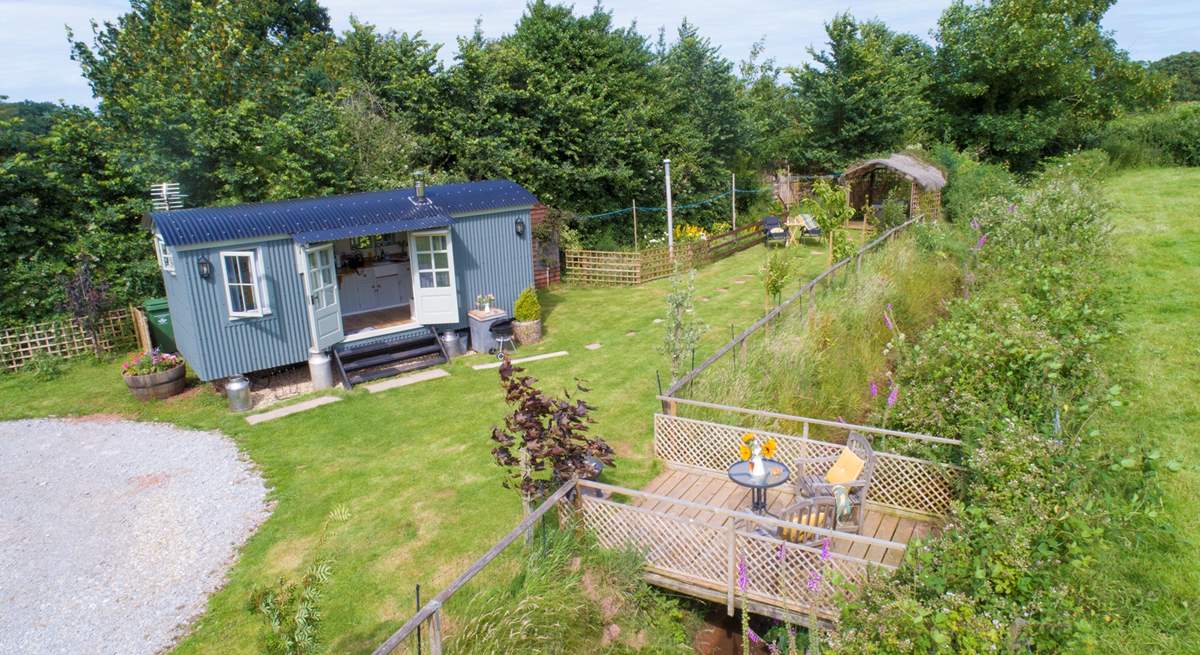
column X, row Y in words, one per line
column 900, row 482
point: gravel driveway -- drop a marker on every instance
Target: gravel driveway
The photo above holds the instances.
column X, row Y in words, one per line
column 113, row 533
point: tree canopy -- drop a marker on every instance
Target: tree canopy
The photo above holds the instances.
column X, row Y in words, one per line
column 1183, row 70
column 243, row 102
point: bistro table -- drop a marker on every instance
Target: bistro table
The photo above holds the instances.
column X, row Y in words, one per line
column 777, row 474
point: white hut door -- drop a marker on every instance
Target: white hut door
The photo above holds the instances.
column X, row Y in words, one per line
column 323, row 295
column 435, row 298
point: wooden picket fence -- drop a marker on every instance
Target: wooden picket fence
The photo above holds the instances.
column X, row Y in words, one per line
column 66, row 338
column 627, row 268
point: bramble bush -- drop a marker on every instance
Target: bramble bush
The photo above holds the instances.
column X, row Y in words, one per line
column 1012, row 371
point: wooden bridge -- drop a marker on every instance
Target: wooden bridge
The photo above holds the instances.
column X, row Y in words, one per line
column 694, row 525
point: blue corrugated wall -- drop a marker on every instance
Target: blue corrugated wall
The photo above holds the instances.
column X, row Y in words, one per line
column 489, row 257
column 218, row 347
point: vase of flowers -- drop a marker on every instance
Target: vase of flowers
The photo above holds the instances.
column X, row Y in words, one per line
column 484, row 302
column 154, row 374
column 755, row 449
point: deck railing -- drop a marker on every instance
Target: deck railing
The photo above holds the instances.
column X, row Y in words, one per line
column 697, row 549
column 901, row 483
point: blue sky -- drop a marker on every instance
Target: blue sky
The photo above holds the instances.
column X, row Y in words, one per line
column 35, row 64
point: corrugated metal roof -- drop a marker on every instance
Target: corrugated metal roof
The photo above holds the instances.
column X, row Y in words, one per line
column 386, row 210
column 363, row 229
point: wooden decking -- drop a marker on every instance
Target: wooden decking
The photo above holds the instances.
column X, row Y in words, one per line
column 694, row 527
column 718, row 491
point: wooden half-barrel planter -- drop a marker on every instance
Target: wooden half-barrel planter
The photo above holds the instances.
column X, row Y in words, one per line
column 162, row 384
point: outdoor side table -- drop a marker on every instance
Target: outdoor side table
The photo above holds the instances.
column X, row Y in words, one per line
column 777, row 474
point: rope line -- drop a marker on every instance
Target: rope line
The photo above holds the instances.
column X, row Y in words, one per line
column 690, row 205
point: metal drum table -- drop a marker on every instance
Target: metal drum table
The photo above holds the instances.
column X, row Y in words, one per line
column 777, row 474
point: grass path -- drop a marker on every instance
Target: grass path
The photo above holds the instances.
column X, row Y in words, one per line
column 413, row 464
column 1156, row 590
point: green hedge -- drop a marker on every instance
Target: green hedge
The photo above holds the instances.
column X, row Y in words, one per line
column 1012, row 371
column 1170, row 137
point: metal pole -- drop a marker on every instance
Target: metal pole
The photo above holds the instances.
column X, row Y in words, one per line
column 733, row 197
column 418, row 625
column 635, row 239
column 670, row 212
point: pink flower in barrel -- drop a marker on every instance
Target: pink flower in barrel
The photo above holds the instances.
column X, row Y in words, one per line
column 154, row 374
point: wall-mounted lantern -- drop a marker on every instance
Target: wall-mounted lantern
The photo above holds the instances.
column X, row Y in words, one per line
column 520, row 227
column 205, row 267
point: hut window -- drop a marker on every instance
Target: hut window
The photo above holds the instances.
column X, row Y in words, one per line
column 244, row 285
column 166, row 260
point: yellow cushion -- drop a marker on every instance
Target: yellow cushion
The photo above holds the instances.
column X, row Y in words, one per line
column 797, row 535
column 846, row 468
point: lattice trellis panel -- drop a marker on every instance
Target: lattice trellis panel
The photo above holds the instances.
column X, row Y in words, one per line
column 693, row 551
column 901, row 482
column 669, row 543
column 714, row 446
column 65, row 338
column 780, row 572
column 914, row 484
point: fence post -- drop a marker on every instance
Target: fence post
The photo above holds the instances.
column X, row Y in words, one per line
column 435, row 632
column 731, row 556
column 635, row 239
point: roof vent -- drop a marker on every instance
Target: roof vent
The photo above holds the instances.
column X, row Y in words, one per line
column 166, row 196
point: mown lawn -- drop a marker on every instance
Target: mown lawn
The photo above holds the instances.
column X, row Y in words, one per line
column 1155, row 589
column 413, row 464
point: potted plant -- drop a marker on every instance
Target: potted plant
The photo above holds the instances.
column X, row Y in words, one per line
column 484, row 302
column 527, row 317
column 154, row 374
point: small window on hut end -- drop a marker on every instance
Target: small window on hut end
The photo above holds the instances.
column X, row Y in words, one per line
column 245, row 288
column 166, row 261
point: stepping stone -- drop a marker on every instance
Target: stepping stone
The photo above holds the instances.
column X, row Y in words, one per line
column 704, row 298
column 722, row 290
column 405, row 380
column 631, row 333
column 657, row 321
column 739, row 281
column 593, row 346
column 520, row 360
column 255, row 419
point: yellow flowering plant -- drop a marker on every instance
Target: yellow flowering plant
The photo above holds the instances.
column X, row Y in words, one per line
column 750, row 441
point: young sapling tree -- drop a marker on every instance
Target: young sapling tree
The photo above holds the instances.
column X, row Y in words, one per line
column 683, row 328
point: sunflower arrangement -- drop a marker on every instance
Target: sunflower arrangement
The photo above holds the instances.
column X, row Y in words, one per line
column 752, row 445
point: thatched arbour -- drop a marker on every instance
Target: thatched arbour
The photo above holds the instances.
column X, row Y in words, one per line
column 899, row 178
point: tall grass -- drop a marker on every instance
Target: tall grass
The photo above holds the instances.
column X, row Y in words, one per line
column 818, row 359
column 566, row 596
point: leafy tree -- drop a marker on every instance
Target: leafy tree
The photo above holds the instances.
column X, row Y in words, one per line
column 224, row 97
column 560, row 104
column 545, row 441
column 772, row 114
column 830, row 207
column 866, row 93
column 1183, row 69
column 1025, row 79
column 702, row 99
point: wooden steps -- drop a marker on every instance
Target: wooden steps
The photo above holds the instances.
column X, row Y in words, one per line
column 388, row 355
